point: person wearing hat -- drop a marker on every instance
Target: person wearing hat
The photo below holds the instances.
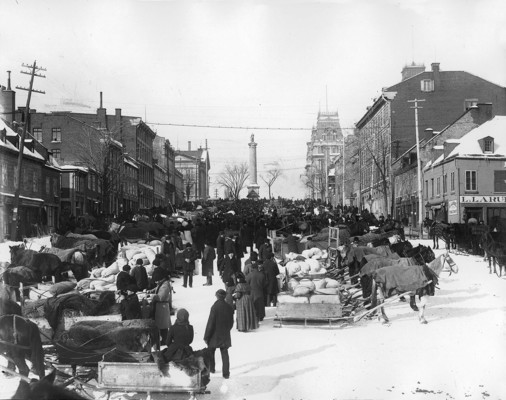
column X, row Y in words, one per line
column 264, row 250
column 161, row 302
column 217, row 334
column 271, row 271
column 258, row 283
column 189, row 257
column 140, row 275
column 207, row 263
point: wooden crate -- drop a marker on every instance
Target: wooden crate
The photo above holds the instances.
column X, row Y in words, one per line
column 146, row 377
column 69, row 321
column 309, row 311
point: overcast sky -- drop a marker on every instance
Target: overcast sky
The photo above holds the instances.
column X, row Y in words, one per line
column 242, row 63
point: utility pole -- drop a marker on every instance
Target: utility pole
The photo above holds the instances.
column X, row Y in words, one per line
column 17, row 187
column 419, row 166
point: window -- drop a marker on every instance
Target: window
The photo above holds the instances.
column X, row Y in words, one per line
column 56, row 134
column 488, row 146
column 55, row 187
column 37, row 134
column 438, row 186
column 432, row 187
column 56, row 154
column 471, row 181
column 452, row 181
column 426, row 189
column 35, row 185
column 445, row 183
column 468, row 103
column 427, row 85
column 500, row 181
column 48, row 186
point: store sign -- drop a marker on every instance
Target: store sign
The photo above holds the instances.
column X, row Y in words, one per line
column 483, row 199
column 452, row 207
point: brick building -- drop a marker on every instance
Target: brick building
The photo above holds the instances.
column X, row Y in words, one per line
column 387, row 129
column 39, row 188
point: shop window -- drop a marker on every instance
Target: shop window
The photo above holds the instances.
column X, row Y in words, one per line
column 500, row 181
column 471, row 181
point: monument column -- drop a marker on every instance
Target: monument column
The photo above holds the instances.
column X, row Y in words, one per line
column 253, row 187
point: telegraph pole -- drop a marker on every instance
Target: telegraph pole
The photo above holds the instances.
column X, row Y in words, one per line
column 419, row 166
column 17, row 183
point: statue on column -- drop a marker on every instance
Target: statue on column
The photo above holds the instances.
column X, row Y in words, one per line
column 252, row 138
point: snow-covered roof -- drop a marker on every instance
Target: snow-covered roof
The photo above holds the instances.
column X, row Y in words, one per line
column 73, row 168
column 23, row 197
column 130, row 162
column 9, row 145
column 469, row 146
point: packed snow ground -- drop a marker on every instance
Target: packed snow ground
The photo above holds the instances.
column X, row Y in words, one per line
column 459, row 354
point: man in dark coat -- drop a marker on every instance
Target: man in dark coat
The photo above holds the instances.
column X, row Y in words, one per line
column 125, row 281
column 207, row 263
column 271, row 271
column 220, row 250
column 189, row 257
column 264, row 250
column 217, row 335
column 231, row 266
column 257, row 281
column 140, row 275
column 291, row 242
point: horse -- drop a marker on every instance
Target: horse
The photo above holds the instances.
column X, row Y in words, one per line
column 420, row 279
column 495, row 253
column 43, row 264
column 440, row 230
column 20, row 339
column 129, row 233
column 45, row 390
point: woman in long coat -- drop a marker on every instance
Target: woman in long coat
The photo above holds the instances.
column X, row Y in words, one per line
column 257, row 281
column 179, row 338
column 162, row 302
column 246, row 315
column 271, row 271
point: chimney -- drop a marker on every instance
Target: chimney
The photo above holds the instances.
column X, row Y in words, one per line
column 119, row 129
column 483, row 112
column 435, row 74
column 189, row 146
column 449, row 145
column 102, row 115
column 411, row 70
column 428, row 134
column 8, row 80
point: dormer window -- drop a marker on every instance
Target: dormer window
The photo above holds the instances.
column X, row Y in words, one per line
column 427, row 85
column 487, row 144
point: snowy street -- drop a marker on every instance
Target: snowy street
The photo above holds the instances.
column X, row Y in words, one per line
column 459, row 354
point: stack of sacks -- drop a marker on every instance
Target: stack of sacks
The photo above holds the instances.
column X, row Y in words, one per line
column 299, row 268
column 327, row 286
column 314, row 252
column 103, row 284
column 303, row 288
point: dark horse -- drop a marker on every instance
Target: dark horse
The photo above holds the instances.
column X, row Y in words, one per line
column 495, row 252
column 440, row 230
column 420, row 279
column 44, row 390
column 43, row 264
column 20, row 340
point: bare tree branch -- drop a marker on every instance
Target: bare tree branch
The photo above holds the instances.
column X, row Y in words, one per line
column 234, row 178
column 271, row 176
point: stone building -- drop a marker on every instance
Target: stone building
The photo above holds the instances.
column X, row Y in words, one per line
column 466, row 177
column 326, row 143
column 194, row 165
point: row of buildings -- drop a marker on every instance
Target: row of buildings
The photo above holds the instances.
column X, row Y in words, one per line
column 461, row 147
column 77, row 164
